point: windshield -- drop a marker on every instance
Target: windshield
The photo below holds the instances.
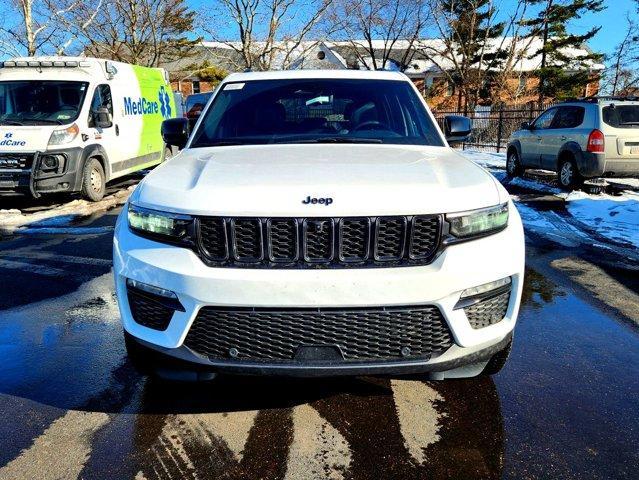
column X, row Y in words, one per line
column 621, row 116
column 317, row 110
column 40, row 102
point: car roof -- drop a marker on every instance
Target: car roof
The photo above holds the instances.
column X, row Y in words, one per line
column 320, row 74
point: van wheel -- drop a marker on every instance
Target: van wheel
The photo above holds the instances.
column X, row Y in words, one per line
column 168, row 153
column 513, row 165
column 93, row 180
column 497, row 362
column 568, row 175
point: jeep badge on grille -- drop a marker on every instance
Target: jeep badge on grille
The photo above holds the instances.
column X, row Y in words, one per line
column 322, row 200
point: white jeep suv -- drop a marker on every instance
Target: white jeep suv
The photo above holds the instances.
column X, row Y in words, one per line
column 317, row 223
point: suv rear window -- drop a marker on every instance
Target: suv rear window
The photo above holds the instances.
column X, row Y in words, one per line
column 621, row 116
column 569, row 117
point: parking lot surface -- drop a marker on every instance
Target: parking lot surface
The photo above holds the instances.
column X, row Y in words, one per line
column 566, row 405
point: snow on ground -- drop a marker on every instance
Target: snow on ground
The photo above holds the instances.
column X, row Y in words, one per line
column 612, row 217
column 616, row 218
column 59, row 219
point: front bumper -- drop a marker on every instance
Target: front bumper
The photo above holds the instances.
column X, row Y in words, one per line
column 441, row 283
column 34, row 180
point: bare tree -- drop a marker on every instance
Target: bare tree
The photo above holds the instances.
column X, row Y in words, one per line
column 622, row 72
column 478, row 49
column 144, row 32
column 270, row 33
column 380, row 31
column 45, row 26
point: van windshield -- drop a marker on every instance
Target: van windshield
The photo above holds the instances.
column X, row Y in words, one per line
column 316, row 111
column 40, row 102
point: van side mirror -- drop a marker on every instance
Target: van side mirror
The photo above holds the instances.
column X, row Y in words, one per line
column 175, row 131
column 526, row 126
column 457, row 128
column 102, row 118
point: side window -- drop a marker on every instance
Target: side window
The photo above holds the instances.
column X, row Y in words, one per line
column 569, row 117
column 545, row 119
column 101, row 99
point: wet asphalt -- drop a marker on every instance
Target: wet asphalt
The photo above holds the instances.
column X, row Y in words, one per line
column 565, row 406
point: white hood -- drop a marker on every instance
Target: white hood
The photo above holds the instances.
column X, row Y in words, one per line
column 273, row 180
column 25, row 138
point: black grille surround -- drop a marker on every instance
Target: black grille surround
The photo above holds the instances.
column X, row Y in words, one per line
column 249, row 242
column 151, row 311
column 358, row 334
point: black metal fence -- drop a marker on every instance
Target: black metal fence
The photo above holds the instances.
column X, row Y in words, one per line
column 492, row 126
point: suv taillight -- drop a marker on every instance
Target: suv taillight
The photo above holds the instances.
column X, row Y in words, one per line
column 596, row 142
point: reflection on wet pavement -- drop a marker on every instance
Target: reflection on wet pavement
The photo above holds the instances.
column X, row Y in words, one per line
column 564, row 407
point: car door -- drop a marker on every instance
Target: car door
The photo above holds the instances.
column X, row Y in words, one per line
column 541, row 129
column 105, row 136
column 562, row 130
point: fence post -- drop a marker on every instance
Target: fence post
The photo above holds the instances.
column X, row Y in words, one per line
column 499, row 127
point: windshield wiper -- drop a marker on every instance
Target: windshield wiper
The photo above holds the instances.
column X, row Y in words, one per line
column 10, row 122
column 334, row 140
column 43, row 120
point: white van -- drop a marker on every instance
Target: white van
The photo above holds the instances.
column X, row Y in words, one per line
column 71, row 124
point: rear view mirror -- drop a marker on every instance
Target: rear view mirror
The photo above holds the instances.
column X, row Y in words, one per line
column 457, row 128
column 175, row 131
column 102, row 118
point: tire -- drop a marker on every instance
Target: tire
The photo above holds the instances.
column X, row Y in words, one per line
column 168, row 153
column 513, row 165
column 498, row 360
column 138, row 355
column 93, row 180
column 568, row 175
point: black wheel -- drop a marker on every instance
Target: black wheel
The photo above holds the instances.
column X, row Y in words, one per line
column 568, row 175
column 93, row 180
column 513, row 165
column 138, row 355
column 168, row 153
column 497, row 362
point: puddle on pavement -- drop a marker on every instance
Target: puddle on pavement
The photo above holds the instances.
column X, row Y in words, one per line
column 565, row 406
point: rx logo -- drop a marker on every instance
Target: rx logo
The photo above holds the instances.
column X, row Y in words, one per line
column 8, row 135
column 165, row 103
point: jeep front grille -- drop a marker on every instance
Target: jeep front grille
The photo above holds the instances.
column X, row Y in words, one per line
column 318, row 242
column 356, row 334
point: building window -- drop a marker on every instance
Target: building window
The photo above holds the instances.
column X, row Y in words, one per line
column 196, row 86
column 522, row 84
column 450, row 88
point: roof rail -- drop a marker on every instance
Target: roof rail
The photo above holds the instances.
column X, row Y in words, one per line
column 598, row 98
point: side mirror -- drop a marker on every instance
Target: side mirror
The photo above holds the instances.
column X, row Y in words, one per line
column 102, row 118
column 526, row 126
column 457, row 128
column 175, row 131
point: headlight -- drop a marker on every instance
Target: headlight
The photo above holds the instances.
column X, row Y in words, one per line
column 64, row 135
column 478, row 222
column 152, row 223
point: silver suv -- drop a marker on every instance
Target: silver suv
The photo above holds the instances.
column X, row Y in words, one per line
column 581, row 139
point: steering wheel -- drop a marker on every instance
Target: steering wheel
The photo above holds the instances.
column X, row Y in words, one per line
column 371, row 125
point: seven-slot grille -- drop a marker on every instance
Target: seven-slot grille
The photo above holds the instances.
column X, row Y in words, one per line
column 360, row 334
column 319, row 242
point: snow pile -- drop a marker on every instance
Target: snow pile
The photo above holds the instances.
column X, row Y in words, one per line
column 49, row 220
column 486, row 159
column 616, row 218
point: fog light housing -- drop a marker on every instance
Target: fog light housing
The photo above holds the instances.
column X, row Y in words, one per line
column 152, row 307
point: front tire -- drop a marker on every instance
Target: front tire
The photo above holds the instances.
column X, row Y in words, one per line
column 568, row 175
column 93, row 180
column 498, row 360
column 138, row 355
column 513, row 165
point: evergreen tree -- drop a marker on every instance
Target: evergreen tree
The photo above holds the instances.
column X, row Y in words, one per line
column 470, row 34
column 562, row 75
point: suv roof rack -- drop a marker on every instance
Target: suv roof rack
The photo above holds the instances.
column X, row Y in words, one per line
column 599, row 98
